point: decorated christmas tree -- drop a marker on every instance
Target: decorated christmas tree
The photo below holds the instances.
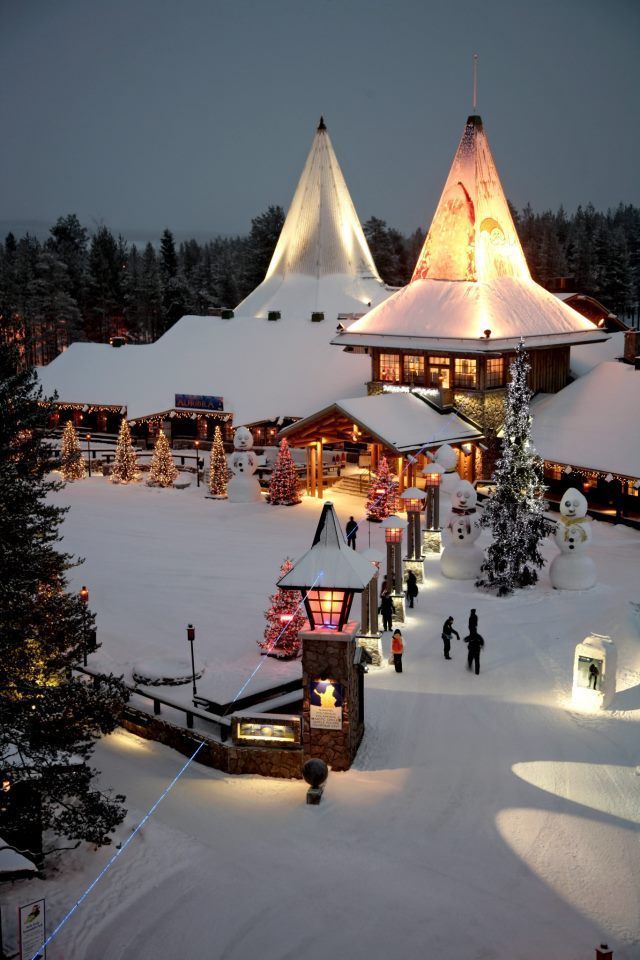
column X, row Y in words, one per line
column 285, row 618
column 218, row 471
column 50, row 718
column 283, row 488
column 515, row 512
column 163, row 471
column 381, row 500
column 71, row 462
column 125, row 466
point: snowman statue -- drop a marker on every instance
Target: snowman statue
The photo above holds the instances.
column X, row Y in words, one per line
column 572, row 569
column 243, row 486
column 448, row 460
column 461, row 559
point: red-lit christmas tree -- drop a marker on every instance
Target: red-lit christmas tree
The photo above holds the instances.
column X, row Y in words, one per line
column 285, row 618
column 218, row 471
column 163, row 471
column 283, row 487
column 381, row 500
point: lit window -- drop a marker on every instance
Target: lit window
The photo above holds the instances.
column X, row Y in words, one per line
column 494, row 372
column 439, row 372
column 390, row 367
column 413, row 368
column 465, row 372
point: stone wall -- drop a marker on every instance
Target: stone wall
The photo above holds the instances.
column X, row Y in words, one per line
column 227, row 757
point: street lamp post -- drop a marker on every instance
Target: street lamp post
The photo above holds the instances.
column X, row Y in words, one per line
column 88, row 439
column 197, row 446
column 191, row 636
column 84, row 596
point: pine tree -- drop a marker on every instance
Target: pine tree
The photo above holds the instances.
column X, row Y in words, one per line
column 71, row 462
column 163, row 471
column 283, row 487
column 285, row 618
column 218, row 472
column 515, row 512
column 49, row 718
column 125, row 466
column 381, row 500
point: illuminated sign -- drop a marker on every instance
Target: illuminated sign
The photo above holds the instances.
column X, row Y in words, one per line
column 32, row 930
column 196, row 401
column 325, row 698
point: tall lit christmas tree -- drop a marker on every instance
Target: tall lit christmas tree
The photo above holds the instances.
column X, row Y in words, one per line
column 71, row 462
column 515, row 512
column 125, row 465
column 283, row 488
column 381, row 499
column 218, row 471
column 163, row 471
column 285, row 618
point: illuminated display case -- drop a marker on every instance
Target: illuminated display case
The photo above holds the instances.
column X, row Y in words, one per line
column 267, row 730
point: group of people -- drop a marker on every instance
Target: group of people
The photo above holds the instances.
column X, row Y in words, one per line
column 474, row 641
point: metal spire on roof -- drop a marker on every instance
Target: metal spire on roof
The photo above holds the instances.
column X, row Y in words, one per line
column 322, row 125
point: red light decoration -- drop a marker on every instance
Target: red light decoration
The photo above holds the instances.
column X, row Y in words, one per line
column 393, row 534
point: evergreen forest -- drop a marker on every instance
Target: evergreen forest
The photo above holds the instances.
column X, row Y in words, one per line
column 82, row 285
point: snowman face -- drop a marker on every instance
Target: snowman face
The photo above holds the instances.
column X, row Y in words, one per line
column 573, row 504
column 464, row 497
column 242, row 439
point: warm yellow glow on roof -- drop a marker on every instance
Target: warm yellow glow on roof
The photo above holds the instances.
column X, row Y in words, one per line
column 472, row 235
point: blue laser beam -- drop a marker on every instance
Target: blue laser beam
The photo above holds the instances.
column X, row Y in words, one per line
column 273, row 645
column 38, row 954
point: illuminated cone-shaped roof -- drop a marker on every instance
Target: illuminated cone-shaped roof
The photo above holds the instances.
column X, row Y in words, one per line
column 472, row 235
column 471, row 281
column 322, row 261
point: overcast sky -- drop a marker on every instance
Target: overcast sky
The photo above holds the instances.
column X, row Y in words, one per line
column 198, row 114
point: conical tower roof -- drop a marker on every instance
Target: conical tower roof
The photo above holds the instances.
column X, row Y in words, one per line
column 471, row 276
column 322, row 261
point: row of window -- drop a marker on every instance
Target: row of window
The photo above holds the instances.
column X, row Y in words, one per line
column 410, row 368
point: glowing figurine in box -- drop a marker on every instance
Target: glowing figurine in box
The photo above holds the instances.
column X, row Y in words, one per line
column 594, row 671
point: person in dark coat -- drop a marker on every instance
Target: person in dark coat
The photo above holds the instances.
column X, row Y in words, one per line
column 475, row 643
column 397, row 649
column 447, row 631
column 412, row 587
column 473, row 621
column 386, row 609
column 351, row 530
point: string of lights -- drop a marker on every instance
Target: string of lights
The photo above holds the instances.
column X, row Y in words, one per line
column 94, row 883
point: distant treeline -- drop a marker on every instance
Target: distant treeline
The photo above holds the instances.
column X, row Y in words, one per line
column 77, row 286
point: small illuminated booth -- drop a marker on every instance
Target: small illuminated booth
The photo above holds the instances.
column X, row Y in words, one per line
column 594, row 672
column 413, row 502
column 432, row 539
column 393, row 528
column 328, row 576
column 369, row 636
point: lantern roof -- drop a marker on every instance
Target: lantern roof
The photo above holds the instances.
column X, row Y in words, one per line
column 412, row 493
column 394, row 522
column 471, row 289
column 433, row 468
column 330, row 564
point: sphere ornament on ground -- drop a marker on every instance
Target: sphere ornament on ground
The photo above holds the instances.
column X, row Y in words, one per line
column 315, row 772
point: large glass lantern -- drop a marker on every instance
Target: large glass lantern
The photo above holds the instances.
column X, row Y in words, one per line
column 328, row 608
column 413, row 499
column 393, row 528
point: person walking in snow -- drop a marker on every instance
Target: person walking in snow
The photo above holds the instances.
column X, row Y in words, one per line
column 397, row 649
column 351, row 530
column 447, row 631
column 473, row 621
column 386, row 609
column 475, row 643
column 594, row 673
column 412, row 587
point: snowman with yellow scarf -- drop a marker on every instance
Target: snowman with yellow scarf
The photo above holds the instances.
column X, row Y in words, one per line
column 572, row 569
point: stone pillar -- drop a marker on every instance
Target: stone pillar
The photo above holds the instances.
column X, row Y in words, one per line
column 333, row 730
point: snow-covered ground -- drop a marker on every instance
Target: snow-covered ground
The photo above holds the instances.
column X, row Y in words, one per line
column 485, row 818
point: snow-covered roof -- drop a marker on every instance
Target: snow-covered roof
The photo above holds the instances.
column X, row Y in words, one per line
column 330, row 563
column 400, row 421
column 586, row 356
column 593, row 422
column 262, row 369
column 471, row 275
column 13, row 862
column 322, row 262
